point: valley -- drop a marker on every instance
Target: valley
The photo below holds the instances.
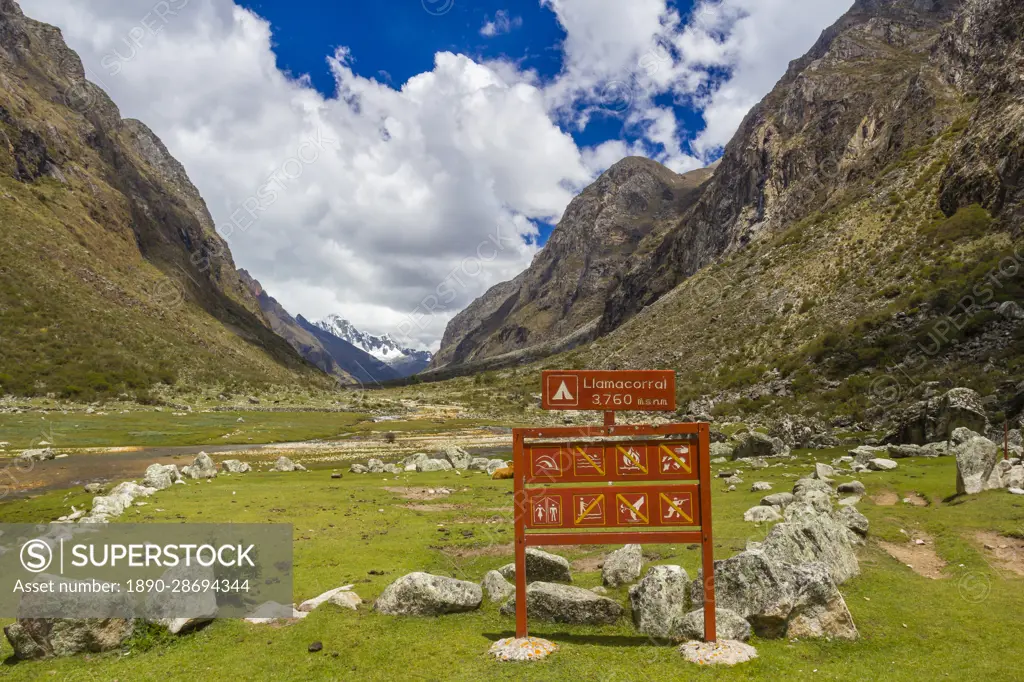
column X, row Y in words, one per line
column 838, row 293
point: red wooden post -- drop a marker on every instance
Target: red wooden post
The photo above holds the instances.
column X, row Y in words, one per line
column 609, row 419
column 519, row 488
column 707, row 545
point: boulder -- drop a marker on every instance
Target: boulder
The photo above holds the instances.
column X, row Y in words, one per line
column 410, row 462
column 721, row 450
column 804, row 486
column 48, row 637
column 43, row 455
column 975, row 462
column 823, row 472
column 1000, row 474
column 496, row 587
column 93, row 488
column 358, row 469
column 566, row 604
column 756, row 444
column 392, row 469
column 623, row 566
column 961, row 436
column 881, row 464
column 346, row 600
column 816, row 539
column 852, row 487
column 478, row 464
column 848, row 516
column 541, row 566
column 903, row 451
column 729, row 625
column 659, row 599
column 938, row 449
column 375, row 466
column 283, row 464
column 182, row 611
column 778, row 499
column 234, row 466
column 762, row 514
column 113, row 505
column 161, row 476
column 315, row 602
column 495, row 464
column 1010, row 310
column 934, row 420
column 457, row 457
column 429, row 465
column 779, row 599
column 758, row 463
column 1015, row 478
column 863, row 453
column 760, row 487
column 423, row 594
column 202, row 467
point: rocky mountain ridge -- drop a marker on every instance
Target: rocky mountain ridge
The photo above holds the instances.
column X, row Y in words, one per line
column 114, row 278
column 616, row 220
column 405, row 361
column 860, row 239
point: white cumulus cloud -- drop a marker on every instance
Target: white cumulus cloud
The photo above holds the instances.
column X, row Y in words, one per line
column 396, row 205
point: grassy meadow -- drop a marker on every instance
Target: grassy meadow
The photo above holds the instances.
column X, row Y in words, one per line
column 355, row 530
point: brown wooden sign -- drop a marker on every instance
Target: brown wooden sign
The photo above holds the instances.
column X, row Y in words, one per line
column 619, row 507
column 609, row 390
column 648, row 484
column 617, row 461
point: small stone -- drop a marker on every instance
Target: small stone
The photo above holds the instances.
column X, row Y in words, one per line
column 523, row 649
column 722, row 652
column 761, row 486
column 316, row 647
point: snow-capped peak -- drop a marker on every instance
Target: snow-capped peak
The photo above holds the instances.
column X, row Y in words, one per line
column 384, row 348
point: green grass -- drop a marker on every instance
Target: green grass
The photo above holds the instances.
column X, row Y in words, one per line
column 912, row 628
column 152, row 429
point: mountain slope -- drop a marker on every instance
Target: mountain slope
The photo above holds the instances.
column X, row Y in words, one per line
column 366, row 368
column 113, row 278
column 405, row 361
column 561, row 296
column 904, row 270
column 287, row 327
column 861, row 97
column 860, row 245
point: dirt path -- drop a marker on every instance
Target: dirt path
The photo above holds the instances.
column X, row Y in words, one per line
column 1002, row 552
column 886, row 498
column 918, row 554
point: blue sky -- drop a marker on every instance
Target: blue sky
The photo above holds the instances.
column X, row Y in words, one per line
column 395, row 41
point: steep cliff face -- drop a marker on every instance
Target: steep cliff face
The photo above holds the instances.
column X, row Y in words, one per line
column 902, row 278
column 113, row 275
column 982, row 54
column 867, row 92
column 621, row 217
